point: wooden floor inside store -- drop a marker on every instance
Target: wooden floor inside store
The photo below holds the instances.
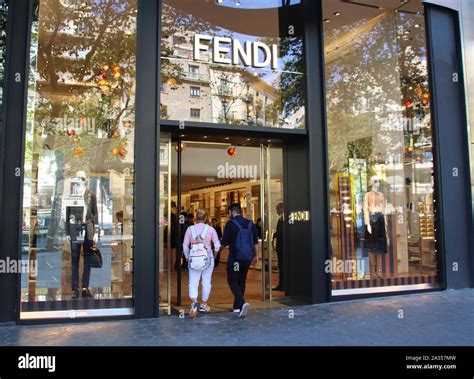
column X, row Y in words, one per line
column 221, row 298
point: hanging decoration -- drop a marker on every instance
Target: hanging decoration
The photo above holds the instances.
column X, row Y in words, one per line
column 110, row 79
column 180, row 147
column 231, row 151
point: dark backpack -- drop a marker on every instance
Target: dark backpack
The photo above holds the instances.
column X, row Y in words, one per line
column 244, row 250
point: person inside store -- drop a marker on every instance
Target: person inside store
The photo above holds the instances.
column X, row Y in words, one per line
column 258, row 225
column 195, row 235
column 279, row 246
column 173, row 224
column 218, row 229
column 91, row 220
column 376, row 240
column 188, row 221
column 239, row 232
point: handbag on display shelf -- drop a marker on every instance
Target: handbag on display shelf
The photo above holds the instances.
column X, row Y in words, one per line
column 93, row 252
column 95, row 260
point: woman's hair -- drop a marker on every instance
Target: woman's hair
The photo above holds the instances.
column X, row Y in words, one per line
column 201, row 215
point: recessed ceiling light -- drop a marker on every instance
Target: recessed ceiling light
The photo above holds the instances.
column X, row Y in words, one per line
column 337, row 13
column 227, row 138
column 327, row 20
column 248, row 139
column 204, row 137
column 417, row 25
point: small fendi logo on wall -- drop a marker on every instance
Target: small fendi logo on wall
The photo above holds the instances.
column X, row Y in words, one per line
column 252, row 54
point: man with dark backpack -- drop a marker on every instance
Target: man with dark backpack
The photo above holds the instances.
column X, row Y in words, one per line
column 241, row 236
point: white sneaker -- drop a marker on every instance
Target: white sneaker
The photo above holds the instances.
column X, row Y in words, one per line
column 244, row 311
column 204, row 308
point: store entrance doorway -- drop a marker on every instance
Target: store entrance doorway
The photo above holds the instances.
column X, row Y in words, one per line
column 197, row 174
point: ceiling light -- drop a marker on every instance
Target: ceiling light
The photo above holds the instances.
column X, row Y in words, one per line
column 204, row 137
column 337, row 14
column 417, row 25
column 327, row 20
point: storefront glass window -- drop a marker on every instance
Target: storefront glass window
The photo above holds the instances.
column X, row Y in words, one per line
column 380, row 146
column 246, row 57
column 467, row 14
column 3, row 53
column 79, row 158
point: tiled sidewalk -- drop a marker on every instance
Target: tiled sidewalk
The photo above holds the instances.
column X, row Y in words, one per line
column 433, row 319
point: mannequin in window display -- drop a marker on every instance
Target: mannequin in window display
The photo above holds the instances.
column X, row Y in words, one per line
column 91, row 219
column 376, row 236
column 278, row 245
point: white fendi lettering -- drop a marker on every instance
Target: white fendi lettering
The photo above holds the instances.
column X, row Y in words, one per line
column 226, row 50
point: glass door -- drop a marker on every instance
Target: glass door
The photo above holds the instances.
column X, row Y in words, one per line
column 167, row 221
column 212, row 186
column 273, row 246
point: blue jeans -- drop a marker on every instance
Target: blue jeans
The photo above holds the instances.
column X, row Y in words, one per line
column 75, row 257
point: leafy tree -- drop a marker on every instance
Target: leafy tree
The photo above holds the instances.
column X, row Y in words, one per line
column 83, row 68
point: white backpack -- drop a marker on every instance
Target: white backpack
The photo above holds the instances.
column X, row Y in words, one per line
column 198, row 255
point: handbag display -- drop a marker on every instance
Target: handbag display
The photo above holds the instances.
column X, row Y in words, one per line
column 95, row 259
column 93, row 254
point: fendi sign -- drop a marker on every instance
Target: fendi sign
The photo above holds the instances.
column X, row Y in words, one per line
column 226, row 50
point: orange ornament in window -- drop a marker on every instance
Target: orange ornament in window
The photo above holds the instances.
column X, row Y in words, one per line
column 78, row 151
column 231, row 150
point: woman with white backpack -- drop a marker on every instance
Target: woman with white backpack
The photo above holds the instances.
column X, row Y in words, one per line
column 197, row 250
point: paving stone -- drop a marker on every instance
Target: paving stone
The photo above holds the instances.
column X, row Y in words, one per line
column 437, row 318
